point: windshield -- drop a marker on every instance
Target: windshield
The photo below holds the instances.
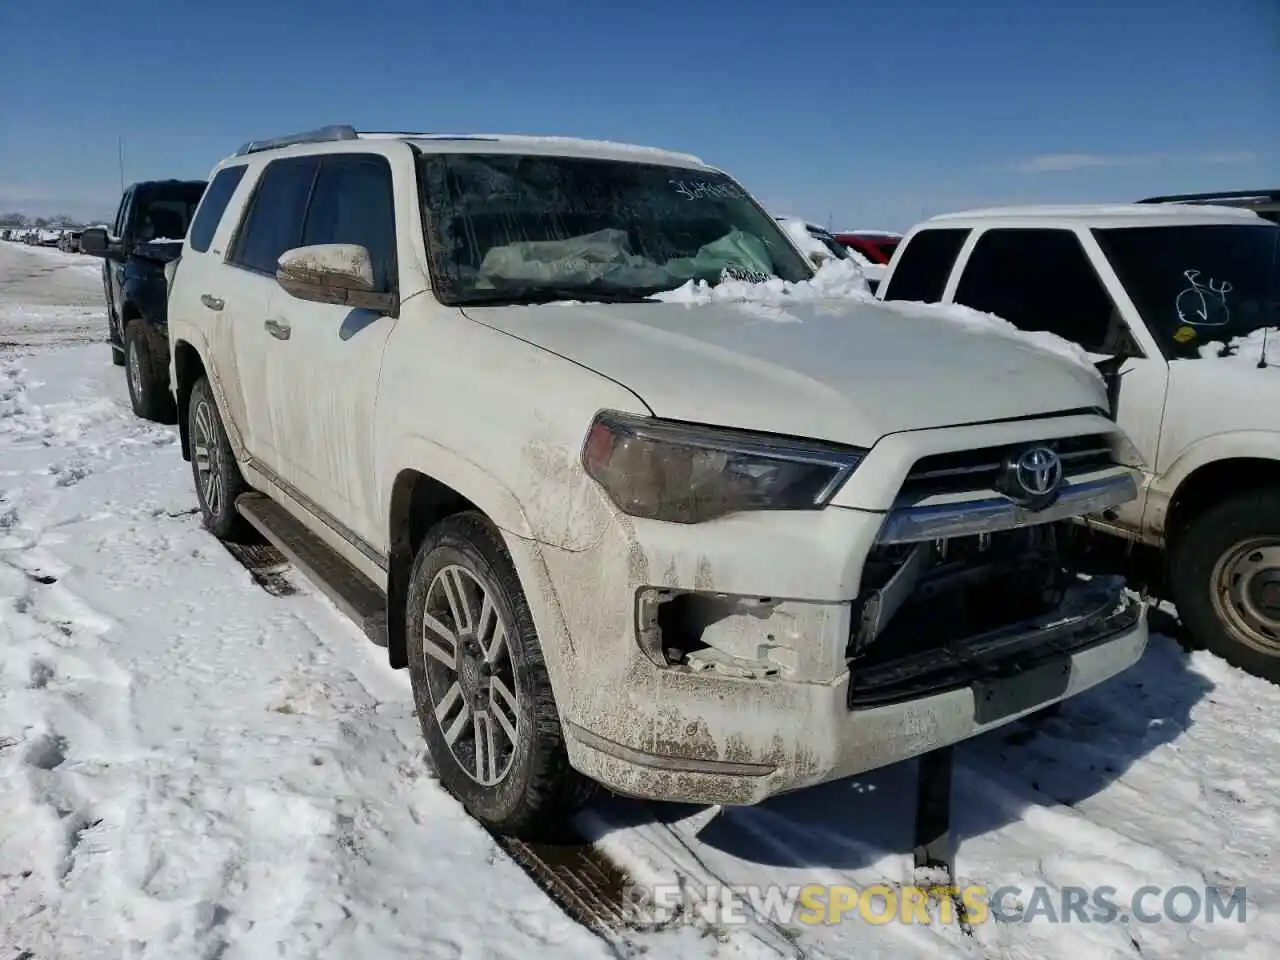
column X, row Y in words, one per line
column 1199, row 288
column 504, row 227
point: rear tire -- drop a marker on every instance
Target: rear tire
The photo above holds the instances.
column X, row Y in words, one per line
column 148, row 381
column 217, row 476
column 466, row 607
column 1224, row 571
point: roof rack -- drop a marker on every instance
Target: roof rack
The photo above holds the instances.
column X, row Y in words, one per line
column 320, row 135
column 1269, row 196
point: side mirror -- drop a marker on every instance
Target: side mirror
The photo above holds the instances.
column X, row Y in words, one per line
column 339, row 273
column 94, row 242
column 97, row 243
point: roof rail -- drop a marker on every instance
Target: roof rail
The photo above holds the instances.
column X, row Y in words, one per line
column 320, row 135
column 1265, row 195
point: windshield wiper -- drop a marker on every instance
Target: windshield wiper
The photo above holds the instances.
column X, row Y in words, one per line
column 550, row 294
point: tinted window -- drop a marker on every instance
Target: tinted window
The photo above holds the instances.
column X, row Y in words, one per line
column 925, row 265
column 210, row 211
column 1198, row 288
column 352, row 203
column 274, row 221
column 529, row 228
column 118, row 226
column 164, row 210
column 1043, row 280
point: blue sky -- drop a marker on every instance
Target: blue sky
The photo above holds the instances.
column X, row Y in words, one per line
column 871, row 114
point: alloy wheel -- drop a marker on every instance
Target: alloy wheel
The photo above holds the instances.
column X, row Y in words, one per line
column 470, row 677
column 135, row 370
column 202, row 444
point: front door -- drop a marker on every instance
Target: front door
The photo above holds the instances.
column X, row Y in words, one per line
column 249, row 296
column 113, row 270
column 323, row 372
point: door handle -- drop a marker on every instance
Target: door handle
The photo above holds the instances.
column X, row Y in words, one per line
column 212, row 302
column 280, row 331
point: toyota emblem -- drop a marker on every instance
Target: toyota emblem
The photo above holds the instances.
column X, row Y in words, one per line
column 1039, row 471
column 1032, row 477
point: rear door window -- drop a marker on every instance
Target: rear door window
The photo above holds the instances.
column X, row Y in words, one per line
column 924, row 266
column 214, row 204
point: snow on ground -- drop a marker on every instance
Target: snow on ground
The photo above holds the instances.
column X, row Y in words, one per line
column 192, row 768
column 43, row 296
column 189, row 767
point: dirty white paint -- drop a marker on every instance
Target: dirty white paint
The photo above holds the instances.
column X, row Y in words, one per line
column 496, row 403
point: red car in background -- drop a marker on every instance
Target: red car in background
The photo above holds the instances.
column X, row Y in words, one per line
column 876, row 246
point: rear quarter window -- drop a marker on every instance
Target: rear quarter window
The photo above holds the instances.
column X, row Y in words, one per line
column 924, row 265
column 212, row 206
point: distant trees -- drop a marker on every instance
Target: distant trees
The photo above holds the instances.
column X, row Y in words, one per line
column 40, row 223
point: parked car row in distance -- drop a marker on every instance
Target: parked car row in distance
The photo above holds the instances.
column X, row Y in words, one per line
column 66, row 239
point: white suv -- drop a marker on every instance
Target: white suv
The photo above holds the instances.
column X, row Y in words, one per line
column 701, row 550
column 1184, row 301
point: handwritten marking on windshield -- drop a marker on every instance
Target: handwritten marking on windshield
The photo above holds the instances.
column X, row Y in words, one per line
column 1194, row 307
column 734, row 272
column 705, row 190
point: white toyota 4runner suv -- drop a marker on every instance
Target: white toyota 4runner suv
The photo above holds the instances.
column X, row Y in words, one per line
column 693, row 551
column 1184, row 300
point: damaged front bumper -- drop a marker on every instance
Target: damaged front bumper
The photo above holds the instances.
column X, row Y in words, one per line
column 708, row 736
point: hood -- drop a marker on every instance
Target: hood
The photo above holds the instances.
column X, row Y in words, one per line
column 837, row 370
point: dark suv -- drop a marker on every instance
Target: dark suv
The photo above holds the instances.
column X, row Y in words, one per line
column 147, row 233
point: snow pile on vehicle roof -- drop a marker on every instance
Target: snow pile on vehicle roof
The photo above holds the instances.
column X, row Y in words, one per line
column 1247, row 348
column 799, row 233
column 841, row 279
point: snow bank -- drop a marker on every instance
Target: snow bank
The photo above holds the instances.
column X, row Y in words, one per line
column 841, row 279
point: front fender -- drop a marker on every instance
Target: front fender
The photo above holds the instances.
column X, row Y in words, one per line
column 1228, row 445
column 454, row 470
column 562, row 506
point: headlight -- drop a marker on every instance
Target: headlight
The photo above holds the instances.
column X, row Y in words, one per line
column 683, row 473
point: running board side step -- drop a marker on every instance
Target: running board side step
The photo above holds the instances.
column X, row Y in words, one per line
column 350, row 590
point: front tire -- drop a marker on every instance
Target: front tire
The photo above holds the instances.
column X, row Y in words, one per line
column 1225, row 577
column 148, row 383
column 213, row 467
column 481, row 688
